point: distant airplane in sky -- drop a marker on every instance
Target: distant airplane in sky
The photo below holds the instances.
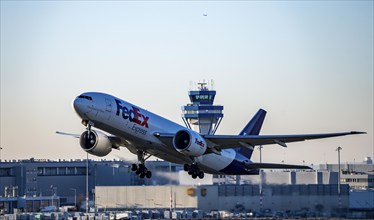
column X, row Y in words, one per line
column 146, row 134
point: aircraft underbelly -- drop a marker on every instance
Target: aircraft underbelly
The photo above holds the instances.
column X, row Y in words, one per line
column 171, row 156
column 213, row 163
column 135, row 143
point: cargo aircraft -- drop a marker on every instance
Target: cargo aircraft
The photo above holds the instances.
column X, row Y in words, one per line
column 146, row 134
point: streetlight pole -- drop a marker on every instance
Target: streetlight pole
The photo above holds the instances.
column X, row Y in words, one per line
column 87, row 184
column 261, row 176
column 339, row 198
column 260, row 148
column 51, row 195
column 338, row 149
column 75, row 197
column 171, row 193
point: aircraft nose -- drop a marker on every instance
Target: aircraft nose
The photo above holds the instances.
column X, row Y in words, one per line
column 78, row 105
column 81, row 104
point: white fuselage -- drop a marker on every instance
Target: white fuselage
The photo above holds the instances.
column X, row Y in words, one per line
column 136, row 128
column 145, row 133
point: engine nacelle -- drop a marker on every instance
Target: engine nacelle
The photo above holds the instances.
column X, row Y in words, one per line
column 96, row 143
column 189, row 143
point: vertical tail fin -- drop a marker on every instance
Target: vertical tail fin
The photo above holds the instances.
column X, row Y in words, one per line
column 252, row 128
column 254, row 125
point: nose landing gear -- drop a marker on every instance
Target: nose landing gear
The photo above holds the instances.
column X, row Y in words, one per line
column 194, row 171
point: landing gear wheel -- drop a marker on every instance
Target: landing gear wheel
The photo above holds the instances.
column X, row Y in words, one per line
column 194, row 171
column 134, row 167
column 149, row 174
column 140, row 169
column 187, row 167
column 201, row 174
column 138, row 172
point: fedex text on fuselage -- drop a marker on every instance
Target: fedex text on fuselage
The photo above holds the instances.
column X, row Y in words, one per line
column 133, row 115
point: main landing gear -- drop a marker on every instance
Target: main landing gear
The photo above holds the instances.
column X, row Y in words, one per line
column 194, row 170
column 140, row 169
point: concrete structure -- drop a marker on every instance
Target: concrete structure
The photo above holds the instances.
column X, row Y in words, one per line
column 318, row 198
column 288, row 177
column 45, row 178
column 361, row 199
column 27, row 204
column 348, row 167
column 145, row 197
column 358, row 181
column 358, row 176
column 66, row 179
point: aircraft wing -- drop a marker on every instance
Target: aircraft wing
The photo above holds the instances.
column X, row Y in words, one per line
column 234, row 141
column 68, row 134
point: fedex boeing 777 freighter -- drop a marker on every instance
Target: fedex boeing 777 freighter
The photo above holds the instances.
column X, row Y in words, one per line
column 146, row 134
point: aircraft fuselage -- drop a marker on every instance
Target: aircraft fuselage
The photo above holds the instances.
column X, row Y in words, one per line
column 136, row 127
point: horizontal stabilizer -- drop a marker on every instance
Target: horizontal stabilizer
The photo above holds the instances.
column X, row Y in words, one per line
column 274, row 166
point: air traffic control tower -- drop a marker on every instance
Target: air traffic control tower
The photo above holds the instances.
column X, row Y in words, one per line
column 201, row 115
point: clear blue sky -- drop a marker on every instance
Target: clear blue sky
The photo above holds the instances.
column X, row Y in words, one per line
column 308, row 63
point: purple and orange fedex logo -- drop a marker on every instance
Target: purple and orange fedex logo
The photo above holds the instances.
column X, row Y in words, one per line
column 132, row 115
column 200, row 143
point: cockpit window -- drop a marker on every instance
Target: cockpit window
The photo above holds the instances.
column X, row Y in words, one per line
column 85, row 97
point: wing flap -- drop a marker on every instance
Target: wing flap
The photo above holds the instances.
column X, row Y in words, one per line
column 166, row 138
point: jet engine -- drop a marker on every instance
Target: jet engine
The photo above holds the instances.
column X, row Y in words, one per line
column 96, row 143
column 189, row 143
